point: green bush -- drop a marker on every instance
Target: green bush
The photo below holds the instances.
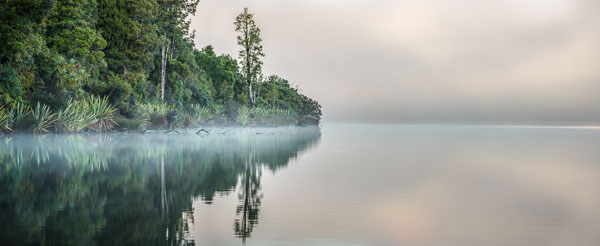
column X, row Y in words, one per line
column 202, row 115
column 104, row 113
column 5, row 119
column 130, row 124
column 75, row 117
column 21, row 116
column 243, row 116
column 43, row 118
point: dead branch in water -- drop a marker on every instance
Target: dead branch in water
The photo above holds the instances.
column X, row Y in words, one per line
column 172, row 130
column 223, row 133
column 202, row 130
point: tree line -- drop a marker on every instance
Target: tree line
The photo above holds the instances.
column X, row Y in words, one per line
column 139, row 55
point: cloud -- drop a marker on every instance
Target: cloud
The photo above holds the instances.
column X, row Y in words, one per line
column 422, row 61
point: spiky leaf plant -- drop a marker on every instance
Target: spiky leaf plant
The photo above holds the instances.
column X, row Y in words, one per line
column 43, row 119
column 243, row 116
column 19, row 116
column 5, row 119
column 201, row 114
column 75, row 117
column 104, row 113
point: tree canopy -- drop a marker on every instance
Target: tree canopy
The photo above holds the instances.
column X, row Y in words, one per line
column 134, row 52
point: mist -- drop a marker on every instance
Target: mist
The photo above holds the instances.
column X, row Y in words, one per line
column 511, row 61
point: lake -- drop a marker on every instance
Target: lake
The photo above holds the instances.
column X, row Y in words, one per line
column 334, row 185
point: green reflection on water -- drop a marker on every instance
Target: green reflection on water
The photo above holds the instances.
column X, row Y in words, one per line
column 133, row 189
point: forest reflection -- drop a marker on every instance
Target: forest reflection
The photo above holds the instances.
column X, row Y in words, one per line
column 134, row 189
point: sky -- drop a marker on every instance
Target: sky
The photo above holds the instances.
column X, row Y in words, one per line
column 427, row 61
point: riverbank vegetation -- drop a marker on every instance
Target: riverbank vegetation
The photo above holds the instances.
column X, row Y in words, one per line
column 89, row 65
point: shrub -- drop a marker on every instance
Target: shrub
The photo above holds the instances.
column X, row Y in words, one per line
column 21, row 116
column 104, row 113
column 75, row 117
column 201, row 114
column 218, row 112
column 42, row 118
column 243, row 116
column 5, row 119
column 129, row 124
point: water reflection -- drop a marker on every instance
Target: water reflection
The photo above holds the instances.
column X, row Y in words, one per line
column 133, row 189
column 249, row 196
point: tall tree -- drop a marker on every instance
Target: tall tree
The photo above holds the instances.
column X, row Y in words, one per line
column 131, row 33
column 250, row 52
column 174, row 26
column 71, row 31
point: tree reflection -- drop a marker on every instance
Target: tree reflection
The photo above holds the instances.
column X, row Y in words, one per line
column 132, row 189
column 250, row 198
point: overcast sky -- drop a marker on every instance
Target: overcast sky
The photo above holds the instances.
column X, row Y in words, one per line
column 427, row 60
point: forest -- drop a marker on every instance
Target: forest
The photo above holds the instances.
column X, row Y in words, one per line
column 88, row 65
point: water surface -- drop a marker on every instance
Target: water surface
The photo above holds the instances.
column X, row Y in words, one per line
column 338, row 185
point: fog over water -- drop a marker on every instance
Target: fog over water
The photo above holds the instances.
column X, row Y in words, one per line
column 380, row 185
column 515, row 61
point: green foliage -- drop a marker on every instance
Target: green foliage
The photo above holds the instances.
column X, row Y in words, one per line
column 218, row 112
column 20, row 29
column 71, row 31
column 103, row 112
column 202, row 115
column 243, row 116
column 130, row 30
column 5, row 119
column 43, row 118
column 155, row 114
column 91, row 61
column 75, row 117
column 130, row 124
column 11, row 90
column 250, row 50
column 272, row 116
column 20, row 116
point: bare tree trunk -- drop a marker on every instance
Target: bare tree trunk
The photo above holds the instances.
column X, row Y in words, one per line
column 163, row 70
column 250, row 95
column 248, row 68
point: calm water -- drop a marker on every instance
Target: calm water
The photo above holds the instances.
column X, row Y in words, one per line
column 338, row 185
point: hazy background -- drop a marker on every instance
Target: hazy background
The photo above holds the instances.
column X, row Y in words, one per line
column 521, row 61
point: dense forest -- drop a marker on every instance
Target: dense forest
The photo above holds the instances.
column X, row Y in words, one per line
column 74, row 65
